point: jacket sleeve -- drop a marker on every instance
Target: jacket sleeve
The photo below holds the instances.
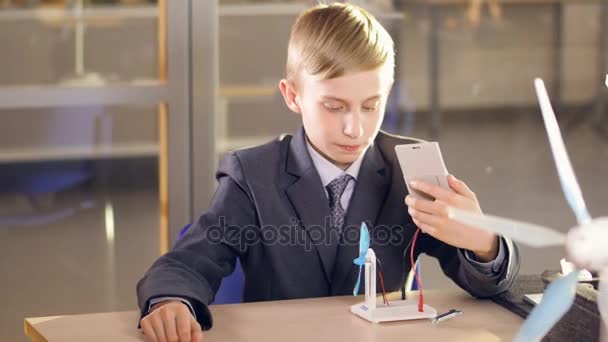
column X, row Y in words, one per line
column 194, row 268
column 469, row 276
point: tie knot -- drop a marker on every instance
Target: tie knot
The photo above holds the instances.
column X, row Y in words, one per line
column 336, row 187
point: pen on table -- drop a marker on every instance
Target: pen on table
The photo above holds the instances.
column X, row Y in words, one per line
column 450, row 314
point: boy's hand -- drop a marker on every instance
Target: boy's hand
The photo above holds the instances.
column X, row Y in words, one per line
column 171, row 321
column 432, row 218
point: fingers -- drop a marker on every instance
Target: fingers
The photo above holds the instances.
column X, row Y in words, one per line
column 439, row 193
column 197, row 336
column 460, row 187
column 440, row 223
column 168, row 319
column 425, row 218
column 425, row 228
column 159, row 329
column 429, row 207
column 146, row 327
column 171, row 322
column 197, row 332
column 427, row 215
column 183, row 327
column 462, row 197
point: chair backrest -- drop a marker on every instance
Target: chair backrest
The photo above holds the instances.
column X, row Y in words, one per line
column 231, row 288
column 43, row 178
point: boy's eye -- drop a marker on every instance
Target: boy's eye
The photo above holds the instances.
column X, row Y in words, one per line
column 371, row 106
column 333, row 108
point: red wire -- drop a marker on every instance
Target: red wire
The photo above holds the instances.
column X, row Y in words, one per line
column 421, row 297
column 383, row 289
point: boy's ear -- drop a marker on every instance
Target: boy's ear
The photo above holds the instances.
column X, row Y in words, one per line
column 288, row 91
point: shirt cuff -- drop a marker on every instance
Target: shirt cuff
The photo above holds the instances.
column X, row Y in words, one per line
column 491, row 268
column 157, row 300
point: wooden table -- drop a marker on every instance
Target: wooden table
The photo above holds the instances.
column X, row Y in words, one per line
column 325, row 319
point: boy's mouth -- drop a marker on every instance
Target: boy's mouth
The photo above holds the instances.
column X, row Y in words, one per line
column 349, row 148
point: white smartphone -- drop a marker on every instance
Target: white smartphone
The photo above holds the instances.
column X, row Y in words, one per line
column 422, row 161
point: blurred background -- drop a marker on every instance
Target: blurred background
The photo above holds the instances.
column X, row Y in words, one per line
column 114, row 113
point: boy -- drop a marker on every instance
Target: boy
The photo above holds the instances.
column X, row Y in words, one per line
column 291, row 209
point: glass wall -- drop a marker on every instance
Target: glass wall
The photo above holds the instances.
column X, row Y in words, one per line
column 83, row 155
column 78, row 42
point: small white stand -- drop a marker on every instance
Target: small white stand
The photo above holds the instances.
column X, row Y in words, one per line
column 398, row 310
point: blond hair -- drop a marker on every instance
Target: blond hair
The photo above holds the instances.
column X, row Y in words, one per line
column 333, row 40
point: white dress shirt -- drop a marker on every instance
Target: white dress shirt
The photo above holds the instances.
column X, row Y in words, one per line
column 328, row 172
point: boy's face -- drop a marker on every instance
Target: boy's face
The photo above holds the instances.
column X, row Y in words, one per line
column 342, row 115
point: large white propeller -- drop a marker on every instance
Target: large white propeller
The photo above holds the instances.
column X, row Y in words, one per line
column 585, row 242
column 525, row 233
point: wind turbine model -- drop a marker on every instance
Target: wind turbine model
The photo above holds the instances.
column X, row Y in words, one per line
column 382, row 312
column 586, row 244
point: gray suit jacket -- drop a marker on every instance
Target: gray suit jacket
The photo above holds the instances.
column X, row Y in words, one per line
column 271, row 211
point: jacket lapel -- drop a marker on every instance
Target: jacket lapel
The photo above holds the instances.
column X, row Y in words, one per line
column 366, row 202
column 309, row 200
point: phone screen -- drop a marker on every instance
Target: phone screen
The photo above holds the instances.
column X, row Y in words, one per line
column 422, row 162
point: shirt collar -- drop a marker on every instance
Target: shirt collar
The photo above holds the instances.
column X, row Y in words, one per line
column 327, row 170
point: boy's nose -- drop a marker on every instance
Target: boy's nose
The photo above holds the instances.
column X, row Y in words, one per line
column 352, row 125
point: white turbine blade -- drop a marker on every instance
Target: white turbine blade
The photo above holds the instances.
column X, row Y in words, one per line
column 557, row 300
column 526, row 233
column 570, row 185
